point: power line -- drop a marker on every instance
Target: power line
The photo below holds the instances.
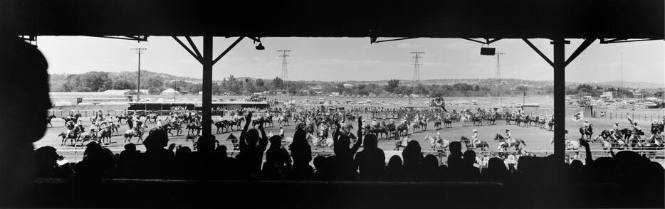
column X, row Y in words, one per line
column 139, row 51
column 416, row 66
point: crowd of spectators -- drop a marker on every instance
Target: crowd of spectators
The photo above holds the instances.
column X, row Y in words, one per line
column 349, row 162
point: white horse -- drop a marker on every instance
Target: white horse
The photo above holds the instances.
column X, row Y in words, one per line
column 321, row 142
column 572, row 144
column 465, row 119
column 287, row 141
column 129, row 134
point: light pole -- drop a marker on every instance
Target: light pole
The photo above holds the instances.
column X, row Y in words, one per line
column 498, row 74
column 139, row 51
column 523, row 96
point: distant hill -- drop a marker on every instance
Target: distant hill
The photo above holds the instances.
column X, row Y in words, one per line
column 631, row 84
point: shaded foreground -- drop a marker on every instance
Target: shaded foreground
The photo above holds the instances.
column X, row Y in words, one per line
column 318, row 194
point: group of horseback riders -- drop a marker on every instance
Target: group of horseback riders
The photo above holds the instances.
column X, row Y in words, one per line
column 520, row 118
column 101, row 129
column 625, row 138
column 506, row 143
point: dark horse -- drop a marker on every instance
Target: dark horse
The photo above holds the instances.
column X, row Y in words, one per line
column 483, row 145
column 586, row 132
column 48, row 120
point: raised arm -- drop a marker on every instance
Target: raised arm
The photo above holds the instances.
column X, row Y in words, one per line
column 264, row 138
column 336, row 134
column 588, row 159
column 356, row 146
column 243, row 134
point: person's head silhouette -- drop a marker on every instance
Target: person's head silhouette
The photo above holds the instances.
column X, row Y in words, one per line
column 455, row 148
column 158, row 139
column 252, row 137
column 275, row 141
column 24, row 82
column 130, row 147
column 206, row 144
column 370, row 141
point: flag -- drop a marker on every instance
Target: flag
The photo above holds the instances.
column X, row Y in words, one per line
column 578, row 116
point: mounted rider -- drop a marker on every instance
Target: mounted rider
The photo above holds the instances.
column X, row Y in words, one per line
column 474, row 138
column 70, row 125
column 616, row 127
column 509, row 137
column 634, row 126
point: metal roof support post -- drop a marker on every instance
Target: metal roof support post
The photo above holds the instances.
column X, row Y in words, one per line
column 206, row 99
column 559, row 98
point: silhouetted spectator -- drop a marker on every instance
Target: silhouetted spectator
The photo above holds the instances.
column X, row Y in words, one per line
column 301, row 153
column 278, row 161
column 395, row 170
column 371, row 160
column 413, row 159
column 97, row 163
column 322, row 171
column 470, row 172
column 184, row 163
column 495, row 171
column 24, row 107
column 156, row 162
column 46, row 161
column 128, row 161
column 252, row 147
column 225, row 165
column 455, row 155
column 205, row 159
column 343, row 168
column 430, row 169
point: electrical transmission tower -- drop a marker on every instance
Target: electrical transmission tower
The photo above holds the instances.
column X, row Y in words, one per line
column 416, row 66
column 285, row 72
column 139, row 51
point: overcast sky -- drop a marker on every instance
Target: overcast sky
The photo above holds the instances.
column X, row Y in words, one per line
column 355, row 59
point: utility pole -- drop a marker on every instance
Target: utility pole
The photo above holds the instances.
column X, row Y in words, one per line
column 498, row 64
column 621, row 69
column 176, row 90
column 285, row 72
column 139, row 51
column 498, row 75
column 523, row 95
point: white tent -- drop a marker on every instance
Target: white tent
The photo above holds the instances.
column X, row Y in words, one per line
column 170, row 91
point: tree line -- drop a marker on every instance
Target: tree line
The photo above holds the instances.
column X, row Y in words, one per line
column 97, row 81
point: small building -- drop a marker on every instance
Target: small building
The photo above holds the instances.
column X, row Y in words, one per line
column 116, row 92
column 531, row 108
column 608, row 95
